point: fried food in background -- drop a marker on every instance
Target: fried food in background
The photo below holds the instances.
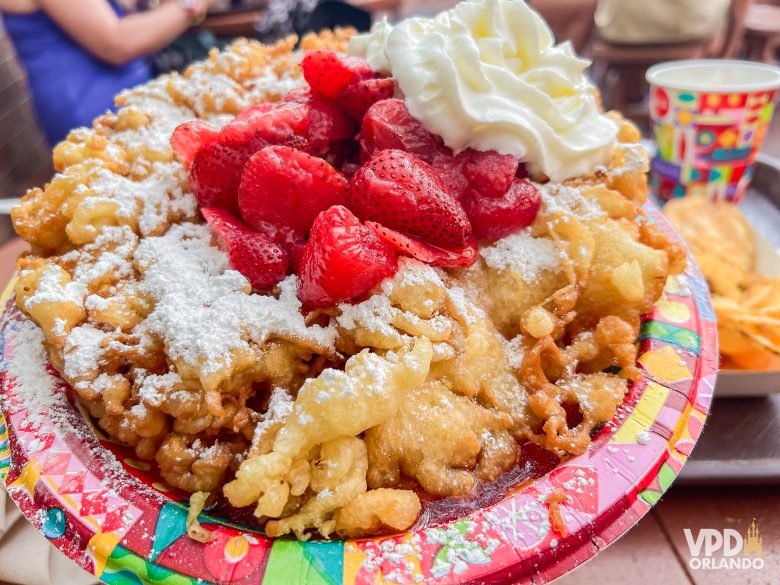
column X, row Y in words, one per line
column 749, row 327
column 746, row 303
column 720, row 239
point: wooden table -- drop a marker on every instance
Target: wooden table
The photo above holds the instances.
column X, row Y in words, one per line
column 654, row 552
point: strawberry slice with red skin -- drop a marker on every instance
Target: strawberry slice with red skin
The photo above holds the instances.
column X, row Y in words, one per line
column 254, row 110
column 328, row 73
column 191, row 137
column 215, row 175
column 489, row 173
column 402, row 192
column 267, row 124
column 289, row 240
column 327, row 122
column 388, row 125
column 494, row 218
column 432, row 255
column 252, row 254
column 343, row 260
column 298, row 95
column 475, row 172
column 358, row 97
column 286, row 187
column 216, row 170
column 450, row 169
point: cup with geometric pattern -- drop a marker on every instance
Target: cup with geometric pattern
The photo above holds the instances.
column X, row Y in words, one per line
column 709, row 119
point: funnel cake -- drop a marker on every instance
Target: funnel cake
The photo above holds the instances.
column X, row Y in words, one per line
column 331, row 418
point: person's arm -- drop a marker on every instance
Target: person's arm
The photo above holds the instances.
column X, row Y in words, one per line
column 95, row 26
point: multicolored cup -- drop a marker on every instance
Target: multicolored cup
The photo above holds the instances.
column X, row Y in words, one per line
column 710, row 118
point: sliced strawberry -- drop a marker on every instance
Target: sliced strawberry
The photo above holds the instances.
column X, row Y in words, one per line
column 489, row 173
column 265, row 125
column 462, row 257
column 343, row 260
column 328, row 73
column 298, row 95
column 450, row 169
column 327, row 122
column 493, row 218
column 190, row 137
column 216, row 170
column 216, row 173
column 388, row 124
column 254, row 111
column 287, row 187
column 254, row 255
column 290, row 241
column 403, row 193
column 358, row 97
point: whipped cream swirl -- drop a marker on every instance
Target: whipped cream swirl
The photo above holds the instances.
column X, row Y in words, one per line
column 487, row 75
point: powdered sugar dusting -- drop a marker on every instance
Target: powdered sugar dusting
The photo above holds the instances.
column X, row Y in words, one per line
column 208, row 92
column 635, row 159
column 152, row 200
column 374, row 314
column 153, row 100
column 273, row 85
column 51, row 289
column 567, row 199
column 515, row 351
column 26, row 363
column 523, row 253
column 152, row 388
column 280, row 405
column 204, row 312
column 114, row 247
column 83, row 350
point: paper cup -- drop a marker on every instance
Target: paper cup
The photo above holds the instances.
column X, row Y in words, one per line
column 709, row 119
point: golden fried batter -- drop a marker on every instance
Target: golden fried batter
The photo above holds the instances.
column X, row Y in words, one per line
column 444, row 441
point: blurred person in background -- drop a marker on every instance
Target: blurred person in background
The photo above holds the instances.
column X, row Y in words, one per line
column 79, row 55
column 570, row 20
column 660, row 21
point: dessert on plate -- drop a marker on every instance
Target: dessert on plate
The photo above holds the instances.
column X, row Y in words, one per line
column 332, row 283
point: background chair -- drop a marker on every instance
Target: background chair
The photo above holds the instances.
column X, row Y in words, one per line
column 762, row 32
column 621, row 68
column 24, row 155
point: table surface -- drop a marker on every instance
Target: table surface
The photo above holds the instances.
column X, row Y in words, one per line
column 655, row 551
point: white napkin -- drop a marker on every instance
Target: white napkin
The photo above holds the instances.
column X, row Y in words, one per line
column 27, row 557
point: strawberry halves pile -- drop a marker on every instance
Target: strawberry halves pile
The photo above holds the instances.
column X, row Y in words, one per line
column 338, row 180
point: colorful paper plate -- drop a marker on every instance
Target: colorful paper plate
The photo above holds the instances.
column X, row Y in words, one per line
column 107, row 512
